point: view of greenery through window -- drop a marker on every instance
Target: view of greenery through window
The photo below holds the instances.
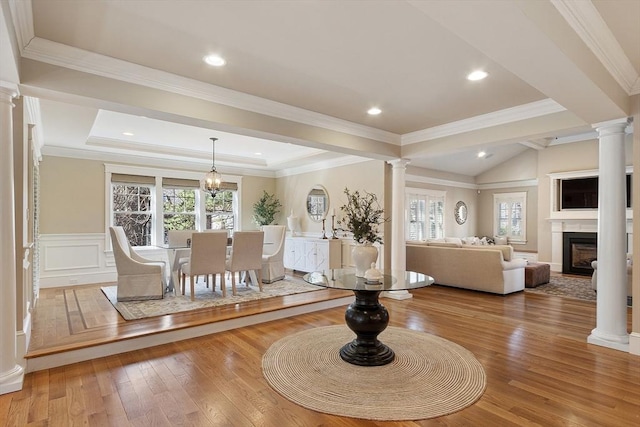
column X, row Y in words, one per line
column 132, row 210
column 219, row 211
column 179, row 209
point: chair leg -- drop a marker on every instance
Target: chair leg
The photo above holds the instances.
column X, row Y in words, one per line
column 233, row 283
column 183, row 282
column 259, row 274
column 193, row 287
column 223, row 286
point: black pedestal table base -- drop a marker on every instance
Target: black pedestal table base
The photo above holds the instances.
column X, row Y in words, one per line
column 367, row 318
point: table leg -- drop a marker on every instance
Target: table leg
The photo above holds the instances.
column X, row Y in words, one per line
column 367, row 318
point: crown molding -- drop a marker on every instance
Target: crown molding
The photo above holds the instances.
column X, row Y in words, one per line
column 81, row 60
column 22, row 17
column 496, row 118
column 438, row 181
column 154, row 149
column 35, row 118
column 509, row 184
column 153, row 162
column 587, row 22
column 328, row 164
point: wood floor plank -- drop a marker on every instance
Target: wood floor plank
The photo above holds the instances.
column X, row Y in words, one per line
column 540, row 370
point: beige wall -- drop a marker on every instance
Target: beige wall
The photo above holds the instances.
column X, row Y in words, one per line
column 292, row 190
column 453, row 195
column 71, row 196
column 486, row 214
column 252, row 188
column 80, row 184
column 524, row 166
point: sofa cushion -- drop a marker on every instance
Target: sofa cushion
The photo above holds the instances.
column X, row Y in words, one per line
column 445, row 244
column 455, row 240
column 507, row 251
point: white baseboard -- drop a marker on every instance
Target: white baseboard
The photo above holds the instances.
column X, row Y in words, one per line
column 634, row 343
column 78, row 279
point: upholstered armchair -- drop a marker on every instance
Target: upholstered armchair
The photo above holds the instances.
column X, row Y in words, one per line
column 273, row 253
column 139, row 278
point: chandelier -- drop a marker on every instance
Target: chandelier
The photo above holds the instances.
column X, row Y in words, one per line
column 212, row 180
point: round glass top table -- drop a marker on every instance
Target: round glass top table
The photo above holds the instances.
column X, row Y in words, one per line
column 366, row 316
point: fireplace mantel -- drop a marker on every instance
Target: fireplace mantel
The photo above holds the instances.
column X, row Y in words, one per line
column 576, row 225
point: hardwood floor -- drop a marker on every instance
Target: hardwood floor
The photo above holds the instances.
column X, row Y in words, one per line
column 540, row 370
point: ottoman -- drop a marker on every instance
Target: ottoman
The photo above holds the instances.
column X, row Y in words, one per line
column 536, row 274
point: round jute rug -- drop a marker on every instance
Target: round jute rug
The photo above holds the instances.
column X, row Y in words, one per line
column 430, row 376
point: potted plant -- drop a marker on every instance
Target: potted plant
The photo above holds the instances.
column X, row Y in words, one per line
column 362, row 215
column 266, row 209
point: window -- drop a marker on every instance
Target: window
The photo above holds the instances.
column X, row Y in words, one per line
column 425, row 214
column 219, row 211
column 147, row 204
column 179, row 209
column 510, row 213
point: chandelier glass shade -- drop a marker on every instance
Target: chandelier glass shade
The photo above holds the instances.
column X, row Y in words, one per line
column 212, row 180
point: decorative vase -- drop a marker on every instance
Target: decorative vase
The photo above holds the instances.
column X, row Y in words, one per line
column 363, row 255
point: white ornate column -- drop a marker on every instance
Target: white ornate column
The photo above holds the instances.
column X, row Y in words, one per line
column 11, row 373
column 611, row 311
column 398, row 242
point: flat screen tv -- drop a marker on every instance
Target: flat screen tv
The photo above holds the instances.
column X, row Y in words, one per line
column 582, row 193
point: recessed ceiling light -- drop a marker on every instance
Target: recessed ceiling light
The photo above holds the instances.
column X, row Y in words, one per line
column 128, row 133
column 215, row 60
column 482, row 154
column 477, row 75
column 374, row 111
column 258, row 154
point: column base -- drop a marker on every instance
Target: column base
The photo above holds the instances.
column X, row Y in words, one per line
column 399, row 295
column 12, row 381
column 616, row 342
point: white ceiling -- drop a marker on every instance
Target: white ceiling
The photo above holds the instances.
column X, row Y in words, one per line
column 327, row 62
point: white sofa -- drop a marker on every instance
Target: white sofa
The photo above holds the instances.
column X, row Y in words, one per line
column 481, row 268
column 594, row 277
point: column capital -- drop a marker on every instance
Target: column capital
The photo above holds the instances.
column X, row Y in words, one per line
column 9, row 89
column 399, row 163
column 612, row 126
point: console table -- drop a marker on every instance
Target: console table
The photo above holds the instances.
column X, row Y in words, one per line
column 366, row 316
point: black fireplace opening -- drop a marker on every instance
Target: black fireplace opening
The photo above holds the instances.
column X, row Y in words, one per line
column 578, row 250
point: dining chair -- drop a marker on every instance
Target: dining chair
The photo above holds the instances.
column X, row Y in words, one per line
column 273, row 253
column 246, row 256
column 179, row 242
column 208, row 256
column 139, row 278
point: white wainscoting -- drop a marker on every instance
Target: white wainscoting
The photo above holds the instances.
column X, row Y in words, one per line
column 80, row 259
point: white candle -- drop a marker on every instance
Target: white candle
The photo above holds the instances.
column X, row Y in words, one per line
column 334, row 211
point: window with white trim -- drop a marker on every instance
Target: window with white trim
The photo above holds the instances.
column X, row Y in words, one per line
column 425, row 214
column 510, row 216
column 147, row 204
column 219, row 211
column 132, row 209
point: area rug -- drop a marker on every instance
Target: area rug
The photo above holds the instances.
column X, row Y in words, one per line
column 430, row 376
column 204, row 298
column 569, row 287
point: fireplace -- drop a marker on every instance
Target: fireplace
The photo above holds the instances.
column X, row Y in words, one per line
column 578, row 250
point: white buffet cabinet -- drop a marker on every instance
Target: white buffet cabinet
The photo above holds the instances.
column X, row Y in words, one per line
column 312, row 254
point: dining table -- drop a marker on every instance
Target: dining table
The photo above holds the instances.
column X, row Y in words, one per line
column 366, row 316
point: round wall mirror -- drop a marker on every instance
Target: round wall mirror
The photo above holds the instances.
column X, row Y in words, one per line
column 317, row 203
column 461, row 212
